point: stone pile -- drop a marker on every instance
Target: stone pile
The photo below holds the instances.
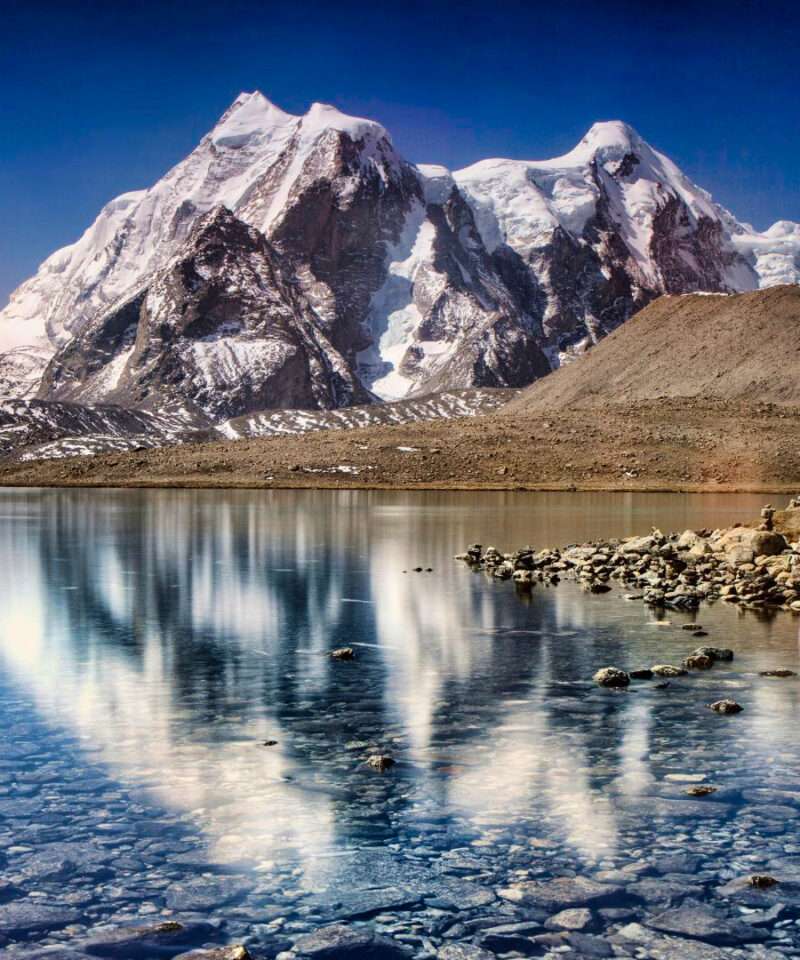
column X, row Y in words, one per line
column 752, row 567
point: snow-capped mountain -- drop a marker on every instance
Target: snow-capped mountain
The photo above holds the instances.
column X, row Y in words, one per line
column 296, row 261
column 220, row 330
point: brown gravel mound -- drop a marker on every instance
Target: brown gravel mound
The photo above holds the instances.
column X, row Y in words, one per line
column 744, row 347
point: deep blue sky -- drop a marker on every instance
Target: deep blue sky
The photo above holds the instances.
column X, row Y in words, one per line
column 100, row 98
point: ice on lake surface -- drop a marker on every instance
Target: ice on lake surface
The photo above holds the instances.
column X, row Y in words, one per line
column 152, row 642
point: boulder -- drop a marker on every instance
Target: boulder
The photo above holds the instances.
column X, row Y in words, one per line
column 744, row 544
column 698, row 661
column 638, row 545
column 715, row 653
column 762, row 881
column 380, row 762
column 611, row 677
column 343, row 653
column 668, row 670
column 725, row 706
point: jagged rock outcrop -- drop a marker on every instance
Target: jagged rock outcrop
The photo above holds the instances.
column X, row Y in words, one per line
column 220, row 331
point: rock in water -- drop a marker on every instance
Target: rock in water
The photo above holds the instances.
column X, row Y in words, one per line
column 725, row 706
column 168, row 937
column 762, row 881
column 340, row 942
column 561, row 893
column 25, row 917
column 574, row 918
column 715, row 653
column 463, row 951
column 698, row 661
column 697, row 921
column 234, row 952
column 343, row 653
column 611, row 677
column 668, row 670
column 777, row 673
column 701, row 790
column 380, row 762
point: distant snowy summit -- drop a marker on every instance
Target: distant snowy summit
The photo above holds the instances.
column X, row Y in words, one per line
column 300, row 261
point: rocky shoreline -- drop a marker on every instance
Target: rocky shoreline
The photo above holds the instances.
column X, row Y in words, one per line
column 753, row 567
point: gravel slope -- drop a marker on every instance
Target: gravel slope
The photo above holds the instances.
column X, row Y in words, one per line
column 668, row 402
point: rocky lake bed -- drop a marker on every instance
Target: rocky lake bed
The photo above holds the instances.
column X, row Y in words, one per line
column 363, row 749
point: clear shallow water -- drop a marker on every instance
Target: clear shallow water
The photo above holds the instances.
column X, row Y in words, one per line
column 151, row 641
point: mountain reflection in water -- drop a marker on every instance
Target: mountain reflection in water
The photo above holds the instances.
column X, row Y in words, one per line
column 174, row 632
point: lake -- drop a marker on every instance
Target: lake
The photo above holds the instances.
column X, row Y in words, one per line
column 152, row 643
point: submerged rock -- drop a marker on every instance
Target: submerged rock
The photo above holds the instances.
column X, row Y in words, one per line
column 611, row 677
column 463, row 951
column 341, row 942
column 235, row 952
column 144, row 940
column 205, row 893
column 782, row 674
column 573, row 918
column 561, row 893
column 25, row 916
column 700, row 922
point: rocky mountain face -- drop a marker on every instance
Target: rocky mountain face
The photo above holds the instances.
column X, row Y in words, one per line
column 219, row 331
column 301, row 262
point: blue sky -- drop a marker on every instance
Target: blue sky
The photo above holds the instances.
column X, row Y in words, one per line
column 100, row 98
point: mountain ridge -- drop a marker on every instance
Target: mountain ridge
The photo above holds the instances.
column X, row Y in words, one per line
column 419, row 278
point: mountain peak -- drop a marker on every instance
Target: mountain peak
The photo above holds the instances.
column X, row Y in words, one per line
column 324, row 116
column 608, row 140
column 249, row 114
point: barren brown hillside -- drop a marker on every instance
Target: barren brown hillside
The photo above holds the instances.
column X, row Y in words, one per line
column 742, row 347
column 693, row 393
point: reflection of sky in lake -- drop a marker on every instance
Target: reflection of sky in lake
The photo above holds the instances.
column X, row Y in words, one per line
column 173, row 632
